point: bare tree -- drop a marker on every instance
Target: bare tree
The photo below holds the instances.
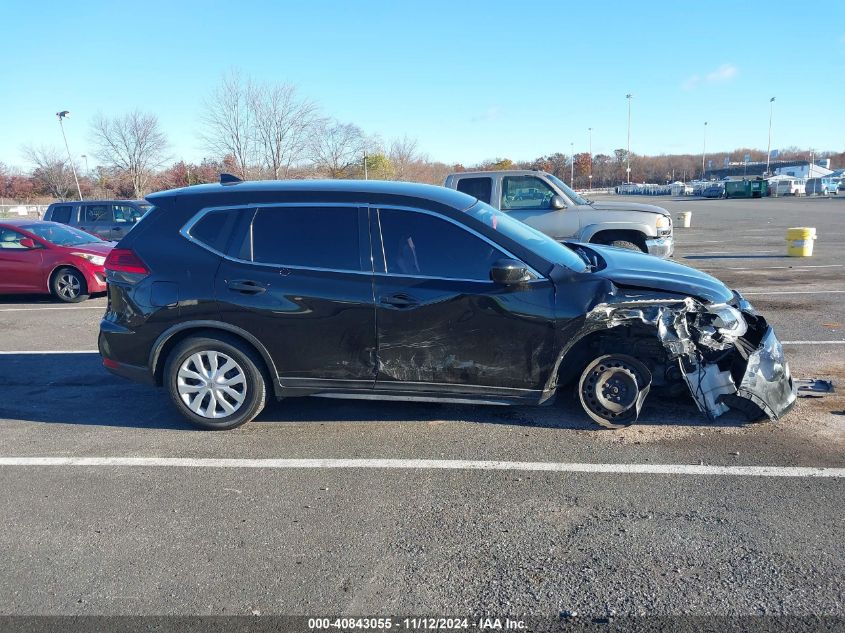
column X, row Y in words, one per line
column 405, row 158
column 337, row 149
column 132, row 144
column 51, row 170
column 228, row 122
column 283, row 123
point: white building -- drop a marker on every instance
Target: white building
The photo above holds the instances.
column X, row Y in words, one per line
column 804, row 171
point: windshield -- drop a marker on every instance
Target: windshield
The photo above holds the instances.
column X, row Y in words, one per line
column 530, row 238
column 569, row 192
column 59, row 234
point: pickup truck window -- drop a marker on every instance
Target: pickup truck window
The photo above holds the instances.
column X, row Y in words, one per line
column 525, row 192
column 481, row 188
column 531, row 239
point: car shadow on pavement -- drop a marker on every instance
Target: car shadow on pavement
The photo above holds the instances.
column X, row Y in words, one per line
column 61, row 388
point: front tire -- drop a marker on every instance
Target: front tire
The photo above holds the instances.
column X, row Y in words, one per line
column 627, row 245
column 216, row 383
column 68, row 285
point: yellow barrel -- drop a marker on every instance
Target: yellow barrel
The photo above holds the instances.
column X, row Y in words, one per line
column 799, row 241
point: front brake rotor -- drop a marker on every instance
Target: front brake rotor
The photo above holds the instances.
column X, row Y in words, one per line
column 612, row 390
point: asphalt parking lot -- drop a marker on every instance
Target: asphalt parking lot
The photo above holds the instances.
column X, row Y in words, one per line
column 453, row 534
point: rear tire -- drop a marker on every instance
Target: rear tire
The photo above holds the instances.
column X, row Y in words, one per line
column 68, row 285
column 216, row 383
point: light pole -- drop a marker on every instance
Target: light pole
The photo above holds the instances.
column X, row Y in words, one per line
column 365, row 166
column 628, row 151
column 572, row 165
column 61, row 116
column 704, row 153
column 85, row 158
column 769, row 149
column 590, row 130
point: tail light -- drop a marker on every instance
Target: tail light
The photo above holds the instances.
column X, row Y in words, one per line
column 124, row 260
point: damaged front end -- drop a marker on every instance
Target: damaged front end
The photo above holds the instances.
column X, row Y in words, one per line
column 726, row 354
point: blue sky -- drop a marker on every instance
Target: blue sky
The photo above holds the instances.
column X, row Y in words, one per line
column 470, row 80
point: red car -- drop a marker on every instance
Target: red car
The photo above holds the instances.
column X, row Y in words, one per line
column 48, row 257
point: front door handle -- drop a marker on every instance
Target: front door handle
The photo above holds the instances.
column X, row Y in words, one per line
column 246, row 286
column 400, row 300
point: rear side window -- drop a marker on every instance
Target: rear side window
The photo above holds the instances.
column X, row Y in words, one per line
column 98, row 213
column 61, row 214
column 421, row 244
column 215, row 228
column 310, row 237
column 481, row 188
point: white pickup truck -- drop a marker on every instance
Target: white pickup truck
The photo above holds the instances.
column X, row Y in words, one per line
column 544, row 202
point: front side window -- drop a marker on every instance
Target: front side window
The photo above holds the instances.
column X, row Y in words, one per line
column 126, row 214
column 481, row 188
column 307, row 237
column 426, row 245
column 525, row 192
column 98, row 213
column 61, row 214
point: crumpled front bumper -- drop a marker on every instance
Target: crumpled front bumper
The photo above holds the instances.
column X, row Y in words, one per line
column 767, row 381
column 661, row 246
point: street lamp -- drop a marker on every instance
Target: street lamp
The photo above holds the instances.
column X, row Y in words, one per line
column 572, row 165
column 61, row 116
column 628, row 151
column 769, row 150
column 590, row 130
column 704, row 153
column 85, row 158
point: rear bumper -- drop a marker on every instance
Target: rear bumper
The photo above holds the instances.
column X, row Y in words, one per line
column 661, row 246
column 135, row 373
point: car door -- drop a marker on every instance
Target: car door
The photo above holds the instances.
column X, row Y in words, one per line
column 20, row 267
column 97, row 219
column 528, row 199
column 443, row 325
column 299, row 279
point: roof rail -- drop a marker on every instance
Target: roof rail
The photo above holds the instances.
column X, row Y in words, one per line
column 229, row 179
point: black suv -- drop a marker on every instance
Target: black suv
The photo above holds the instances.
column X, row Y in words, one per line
column 109, row 220
column 382, row 290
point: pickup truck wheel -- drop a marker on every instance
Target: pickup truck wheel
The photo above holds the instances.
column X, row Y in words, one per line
column 625, row 244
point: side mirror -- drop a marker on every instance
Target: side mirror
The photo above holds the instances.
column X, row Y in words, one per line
column 509, row 272
column 28, row 242
column 557, row 203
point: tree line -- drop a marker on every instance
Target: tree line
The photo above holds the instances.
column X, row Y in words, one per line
column 265, row 130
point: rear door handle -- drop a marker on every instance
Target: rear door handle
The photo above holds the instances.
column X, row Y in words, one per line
column 399, row 301
column 246, row 286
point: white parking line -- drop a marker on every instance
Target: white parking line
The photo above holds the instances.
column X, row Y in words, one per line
column 793, row 292
column 52, row 308
column 50, row 351
column 796, row 267
column 813, row 342
column 430, row 464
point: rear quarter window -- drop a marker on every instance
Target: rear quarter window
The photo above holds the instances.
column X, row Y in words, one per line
column 481, row 188
column 215, row 228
